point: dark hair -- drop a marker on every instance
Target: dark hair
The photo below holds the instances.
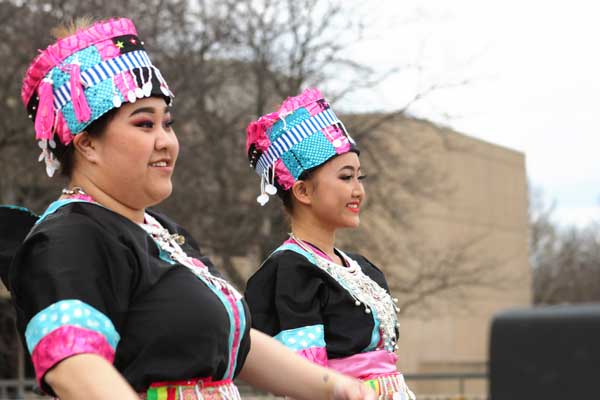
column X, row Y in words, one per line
column 66, row 154
column 286, row 195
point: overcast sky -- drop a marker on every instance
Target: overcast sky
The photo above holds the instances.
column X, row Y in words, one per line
column 534, row 67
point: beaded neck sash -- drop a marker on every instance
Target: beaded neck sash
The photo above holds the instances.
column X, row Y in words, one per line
column 363, row 290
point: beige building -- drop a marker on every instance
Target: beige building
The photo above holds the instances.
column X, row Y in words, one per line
column 485, row 211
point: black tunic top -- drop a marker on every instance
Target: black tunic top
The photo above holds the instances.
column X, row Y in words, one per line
column 171, row 325
column 289, row 293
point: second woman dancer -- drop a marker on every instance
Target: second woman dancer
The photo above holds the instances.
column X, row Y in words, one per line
column 331, row 307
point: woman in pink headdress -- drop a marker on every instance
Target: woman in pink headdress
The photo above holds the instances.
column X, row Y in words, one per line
column 116, row 301
column 331, row 307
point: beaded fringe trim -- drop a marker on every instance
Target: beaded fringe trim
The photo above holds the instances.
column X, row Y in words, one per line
column 390, row 387
column 225, row 391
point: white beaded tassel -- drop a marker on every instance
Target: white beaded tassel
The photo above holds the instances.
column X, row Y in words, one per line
column 263, row 198
column 267, row 186
column 139, row 93
column 130, row 93
column 270, row 187
column 117, row 102
column 164, row 88
column 147, row 86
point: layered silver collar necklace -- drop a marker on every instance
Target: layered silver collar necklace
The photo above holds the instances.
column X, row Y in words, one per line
column 363, row 290
column 170, row 243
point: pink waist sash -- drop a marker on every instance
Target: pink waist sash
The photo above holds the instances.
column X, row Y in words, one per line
column 366, row 365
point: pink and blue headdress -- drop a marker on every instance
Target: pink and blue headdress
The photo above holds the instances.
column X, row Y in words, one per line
column 83, row 76
column 303, row 134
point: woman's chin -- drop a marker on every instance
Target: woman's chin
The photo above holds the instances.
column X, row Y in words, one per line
column 350, row 223
column 159, row 194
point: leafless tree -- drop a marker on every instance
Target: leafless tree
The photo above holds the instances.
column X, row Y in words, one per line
column 403, row 174
column 565, row 261
column 228, row 62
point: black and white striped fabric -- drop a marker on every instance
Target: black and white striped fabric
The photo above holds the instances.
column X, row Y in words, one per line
column 293, row 136
column 106, row 70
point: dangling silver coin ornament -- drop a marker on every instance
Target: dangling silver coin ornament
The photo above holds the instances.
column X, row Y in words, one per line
column 179, row 239
column 165, row 91
column 263, row 199
column 139, row 93
column 271, row 189
column 52, row 164
column 50, row 168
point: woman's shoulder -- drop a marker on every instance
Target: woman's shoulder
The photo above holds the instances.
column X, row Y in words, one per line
column 284, row 272
column 75, row 236
column 284, row 261
column 80, row 212
column 290, row 256
column 82, row 224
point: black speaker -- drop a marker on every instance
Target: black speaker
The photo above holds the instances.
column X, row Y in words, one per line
column 546, row 353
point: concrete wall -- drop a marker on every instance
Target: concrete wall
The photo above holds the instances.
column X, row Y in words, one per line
column 487, row 204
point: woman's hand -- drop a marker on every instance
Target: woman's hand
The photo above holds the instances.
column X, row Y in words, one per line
column 89, row 377
column 351, row 389
column 273, row 367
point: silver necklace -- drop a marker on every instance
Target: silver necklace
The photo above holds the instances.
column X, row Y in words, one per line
column 363, row 290
column 75, row 191
column 171, row 244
